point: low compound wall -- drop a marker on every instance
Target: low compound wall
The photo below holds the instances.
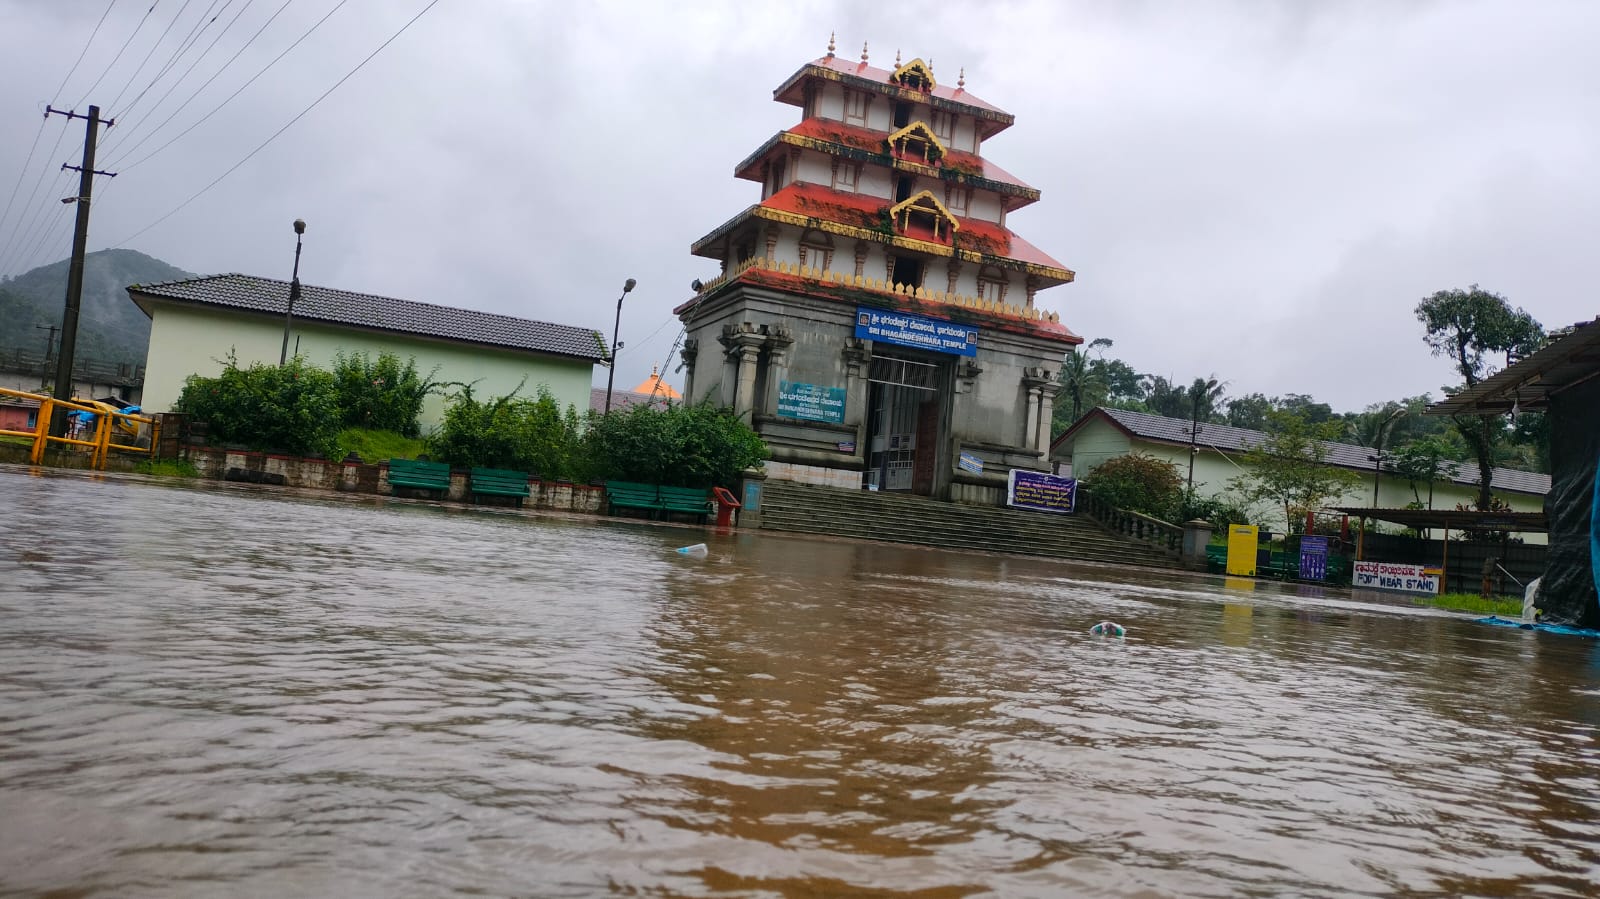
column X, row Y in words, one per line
column 360, row 477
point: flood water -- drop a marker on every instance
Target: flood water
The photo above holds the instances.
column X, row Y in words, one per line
column 223, row 690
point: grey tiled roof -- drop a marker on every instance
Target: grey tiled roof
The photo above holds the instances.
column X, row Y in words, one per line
column 1345, row 455
column 365, row 310
column 622, row 399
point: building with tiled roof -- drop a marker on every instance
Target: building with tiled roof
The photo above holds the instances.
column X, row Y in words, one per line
column 198, row 322
column 874, row 310
column 1219, row 451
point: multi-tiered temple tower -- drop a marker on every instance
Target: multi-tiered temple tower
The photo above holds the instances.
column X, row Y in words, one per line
column 875, row 318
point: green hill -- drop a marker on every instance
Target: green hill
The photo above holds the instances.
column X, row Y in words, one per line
column 111, row 329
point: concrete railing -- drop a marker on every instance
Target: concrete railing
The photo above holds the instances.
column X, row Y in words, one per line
column 1160, row 535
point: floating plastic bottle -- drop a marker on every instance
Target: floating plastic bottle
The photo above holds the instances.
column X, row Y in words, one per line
column 698, row 550
column 1106, row 629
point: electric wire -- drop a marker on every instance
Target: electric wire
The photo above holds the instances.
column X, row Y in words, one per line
column 83, row 52
column 122, row 50
column 298, row 116
column 184, row 45
column 128, row 134
column 57, row 231
column 179, row 136
column 37, row 227
column 23, row 172
column 28, row 204
column 112, row 106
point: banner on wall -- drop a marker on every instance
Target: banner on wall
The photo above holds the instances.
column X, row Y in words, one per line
column 916, row 331
column 1396, row 577
column 1040, row 492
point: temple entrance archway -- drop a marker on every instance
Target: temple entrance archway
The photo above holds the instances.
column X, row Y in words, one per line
column 905, row 407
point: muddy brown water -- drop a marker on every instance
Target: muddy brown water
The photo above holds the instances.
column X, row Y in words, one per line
column 232, row 691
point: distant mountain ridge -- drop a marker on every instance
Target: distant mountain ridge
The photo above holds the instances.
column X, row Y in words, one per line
column 111, row 329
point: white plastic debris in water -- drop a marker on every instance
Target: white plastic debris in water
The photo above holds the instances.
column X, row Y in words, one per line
column 1108, row 629
column 698, row 550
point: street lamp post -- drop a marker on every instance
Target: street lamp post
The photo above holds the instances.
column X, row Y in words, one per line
column 294, row 292
column 611, row 376
column 1195, row 393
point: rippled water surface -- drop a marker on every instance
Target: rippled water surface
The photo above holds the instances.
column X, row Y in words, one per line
column 222, row 691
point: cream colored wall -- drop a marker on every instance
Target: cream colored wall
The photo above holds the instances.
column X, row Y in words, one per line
column 186, row 341
column 1214, row 470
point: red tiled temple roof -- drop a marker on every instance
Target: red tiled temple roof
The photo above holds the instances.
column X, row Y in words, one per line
column 862, row 211
column 867, row 139
column 789, row 92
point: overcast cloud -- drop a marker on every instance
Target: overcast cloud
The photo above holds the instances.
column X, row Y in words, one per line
column 1253, row 190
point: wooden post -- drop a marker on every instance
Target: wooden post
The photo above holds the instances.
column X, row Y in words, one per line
column 1444, row 564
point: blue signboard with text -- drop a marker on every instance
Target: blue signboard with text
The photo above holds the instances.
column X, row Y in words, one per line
column 1313, row 558
column 916, row 331
column 809, row 402
column 1040, row 492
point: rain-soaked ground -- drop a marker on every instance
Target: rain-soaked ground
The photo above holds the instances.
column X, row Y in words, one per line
column 225, row 691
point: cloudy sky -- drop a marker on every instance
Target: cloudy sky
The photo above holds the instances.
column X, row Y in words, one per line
column 1254, row 190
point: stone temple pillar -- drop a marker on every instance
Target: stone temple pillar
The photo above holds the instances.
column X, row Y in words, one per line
column 744, row 398
column 1030, row 437
column 1047, row 396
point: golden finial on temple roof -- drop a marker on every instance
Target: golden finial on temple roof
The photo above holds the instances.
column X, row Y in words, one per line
column 831, row 36
column 897, row 58
column 961, row 81
column 863, row 52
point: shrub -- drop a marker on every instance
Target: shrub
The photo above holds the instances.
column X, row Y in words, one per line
column 1221, row 510
column 293, row 408
column 1138, row 483
column 382, row 395
column 679, row 446
column 532, row 435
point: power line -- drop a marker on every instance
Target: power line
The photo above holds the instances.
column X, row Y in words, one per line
column 27, row 204
column 184, row 45
column 236, row 93
column 180, row 80
column 184, row 105
column 114, row 59
column 152, row 51
column 81, row 53
column 287, row 125
column 23, row 172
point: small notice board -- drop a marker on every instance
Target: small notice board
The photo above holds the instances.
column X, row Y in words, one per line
column 1242, row 541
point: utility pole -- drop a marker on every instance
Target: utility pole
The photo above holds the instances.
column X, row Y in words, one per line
column 49, row 352
column 80, row 241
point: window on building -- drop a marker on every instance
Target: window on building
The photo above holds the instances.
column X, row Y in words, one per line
column 844, row 176
column 816, row 249
column 943, row 125
column 33, row 418
column 902, row 188
column 991, row 284
column 902, row 114
column 776, row 177
column 955, row 199
column 908, row 271
column 855, row 107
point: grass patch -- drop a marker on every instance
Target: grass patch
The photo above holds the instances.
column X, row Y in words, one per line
column 1472, row 602
column 20, row 441
column 377, row 446
column 167, row 468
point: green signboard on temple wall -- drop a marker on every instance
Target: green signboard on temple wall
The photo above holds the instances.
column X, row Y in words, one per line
column 809, row 402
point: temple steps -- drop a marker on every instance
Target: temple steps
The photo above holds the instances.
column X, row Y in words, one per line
column 903, row 518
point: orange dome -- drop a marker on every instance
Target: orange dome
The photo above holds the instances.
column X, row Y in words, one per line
column 654, row 386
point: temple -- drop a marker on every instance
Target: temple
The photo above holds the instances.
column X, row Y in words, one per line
column 874, row 318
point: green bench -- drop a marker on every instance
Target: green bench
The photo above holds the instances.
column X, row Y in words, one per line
column 411, row 474
column 657, row 500
column 498, row 482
